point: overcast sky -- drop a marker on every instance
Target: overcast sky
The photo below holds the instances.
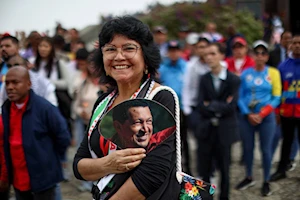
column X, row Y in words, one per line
column 42, row 15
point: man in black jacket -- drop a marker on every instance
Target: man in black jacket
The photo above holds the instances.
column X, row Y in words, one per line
column 217, row 131
column 280, row 53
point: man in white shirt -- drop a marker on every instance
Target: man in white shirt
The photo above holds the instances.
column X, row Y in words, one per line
column 195, row 69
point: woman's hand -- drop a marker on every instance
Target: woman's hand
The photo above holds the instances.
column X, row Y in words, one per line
column 116, row 162
column 124, row 160
column 254, row 119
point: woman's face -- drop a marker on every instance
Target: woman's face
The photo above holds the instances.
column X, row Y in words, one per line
column 121, row 68
column 261, row 56
column 44, row 49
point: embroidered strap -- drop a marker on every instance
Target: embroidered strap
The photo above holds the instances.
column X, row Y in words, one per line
column 98, row 113
column 177, row 120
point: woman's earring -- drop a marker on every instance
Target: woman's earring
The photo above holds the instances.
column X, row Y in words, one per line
column 146, row 71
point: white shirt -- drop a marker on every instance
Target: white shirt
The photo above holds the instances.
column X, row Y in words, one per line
column 218, row 78
column 238, row 63
column 43, row 72
column 61, row 83
column 191, row 81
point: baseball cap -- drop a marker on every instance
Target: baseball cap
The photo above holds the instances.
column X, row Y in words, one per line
column 261, row 43
column 174, row 44
column 239, row 40
column 200, row 39
column 192, row 38
column 160, row 29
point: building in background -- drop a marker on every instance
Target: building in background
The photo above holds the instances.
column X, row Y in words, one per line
column 286, row 9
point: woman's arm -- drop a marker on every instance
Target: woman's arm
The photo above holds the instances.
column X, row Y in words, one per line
column 117, row 162
column 123, row 193
column 276, row 93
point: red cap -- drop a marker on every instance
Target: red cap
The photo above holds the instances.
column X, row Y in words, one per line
column 5, row 34
column 239, row 40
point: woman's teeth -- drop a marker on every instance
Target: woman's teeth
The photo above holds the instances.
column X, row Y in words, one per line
column 121, row 67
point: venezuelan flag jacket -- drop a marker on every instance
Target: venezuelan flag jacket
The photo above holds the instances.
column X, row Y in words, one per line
column 290, row 77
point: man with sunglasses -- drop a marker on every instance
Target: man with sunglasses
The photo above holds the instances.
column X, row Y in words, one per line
column 260, row 93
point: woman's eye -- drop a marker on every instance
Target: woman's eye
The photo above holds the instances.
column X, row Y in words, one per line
column 129, row 48
column 110, row 49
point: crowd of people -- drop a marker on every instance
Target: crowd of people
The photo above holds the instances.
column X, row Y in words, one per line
column 54, row 92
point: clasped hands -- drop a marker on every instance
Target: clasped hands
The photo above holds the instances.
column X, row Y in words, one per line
column 254, row 119
column 124, row 160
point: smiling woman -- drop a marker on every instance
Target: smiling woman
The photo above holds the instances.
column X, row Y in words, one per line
column 128, row 60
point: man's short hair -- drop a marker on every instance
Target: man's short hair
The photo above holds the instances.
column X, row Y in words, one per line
column 285, row 32
column 120, row 112
column 74, row 29
column 10, row 37
column 82, row 54
column 219, row 46
column 58, row 40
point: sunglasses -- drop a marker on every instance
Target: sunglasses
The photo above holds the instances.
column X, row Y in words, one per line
column 12, row 65
column 263, row 53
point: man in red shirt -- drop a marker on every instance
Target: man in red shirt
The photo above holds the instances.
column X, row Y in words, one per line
column 240, row 59
column 35, row 136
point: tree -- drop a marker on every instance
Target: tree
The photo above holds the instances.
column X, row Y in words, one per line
column 195, row 15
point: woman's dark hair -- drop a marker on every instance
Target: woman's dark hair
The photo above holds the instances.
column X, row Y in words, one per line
column 51, row 56
column 133, row 29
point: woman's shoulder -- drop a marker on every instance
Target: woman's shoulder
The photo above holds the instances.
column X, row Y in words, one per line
column 101, row 97
column 272, row 70
column 247, row 71
column 165, row 96
column 159, row 91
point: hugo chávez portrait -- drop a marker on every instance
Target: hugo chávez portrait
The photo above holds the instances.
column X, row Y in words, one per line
column 137, row 123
